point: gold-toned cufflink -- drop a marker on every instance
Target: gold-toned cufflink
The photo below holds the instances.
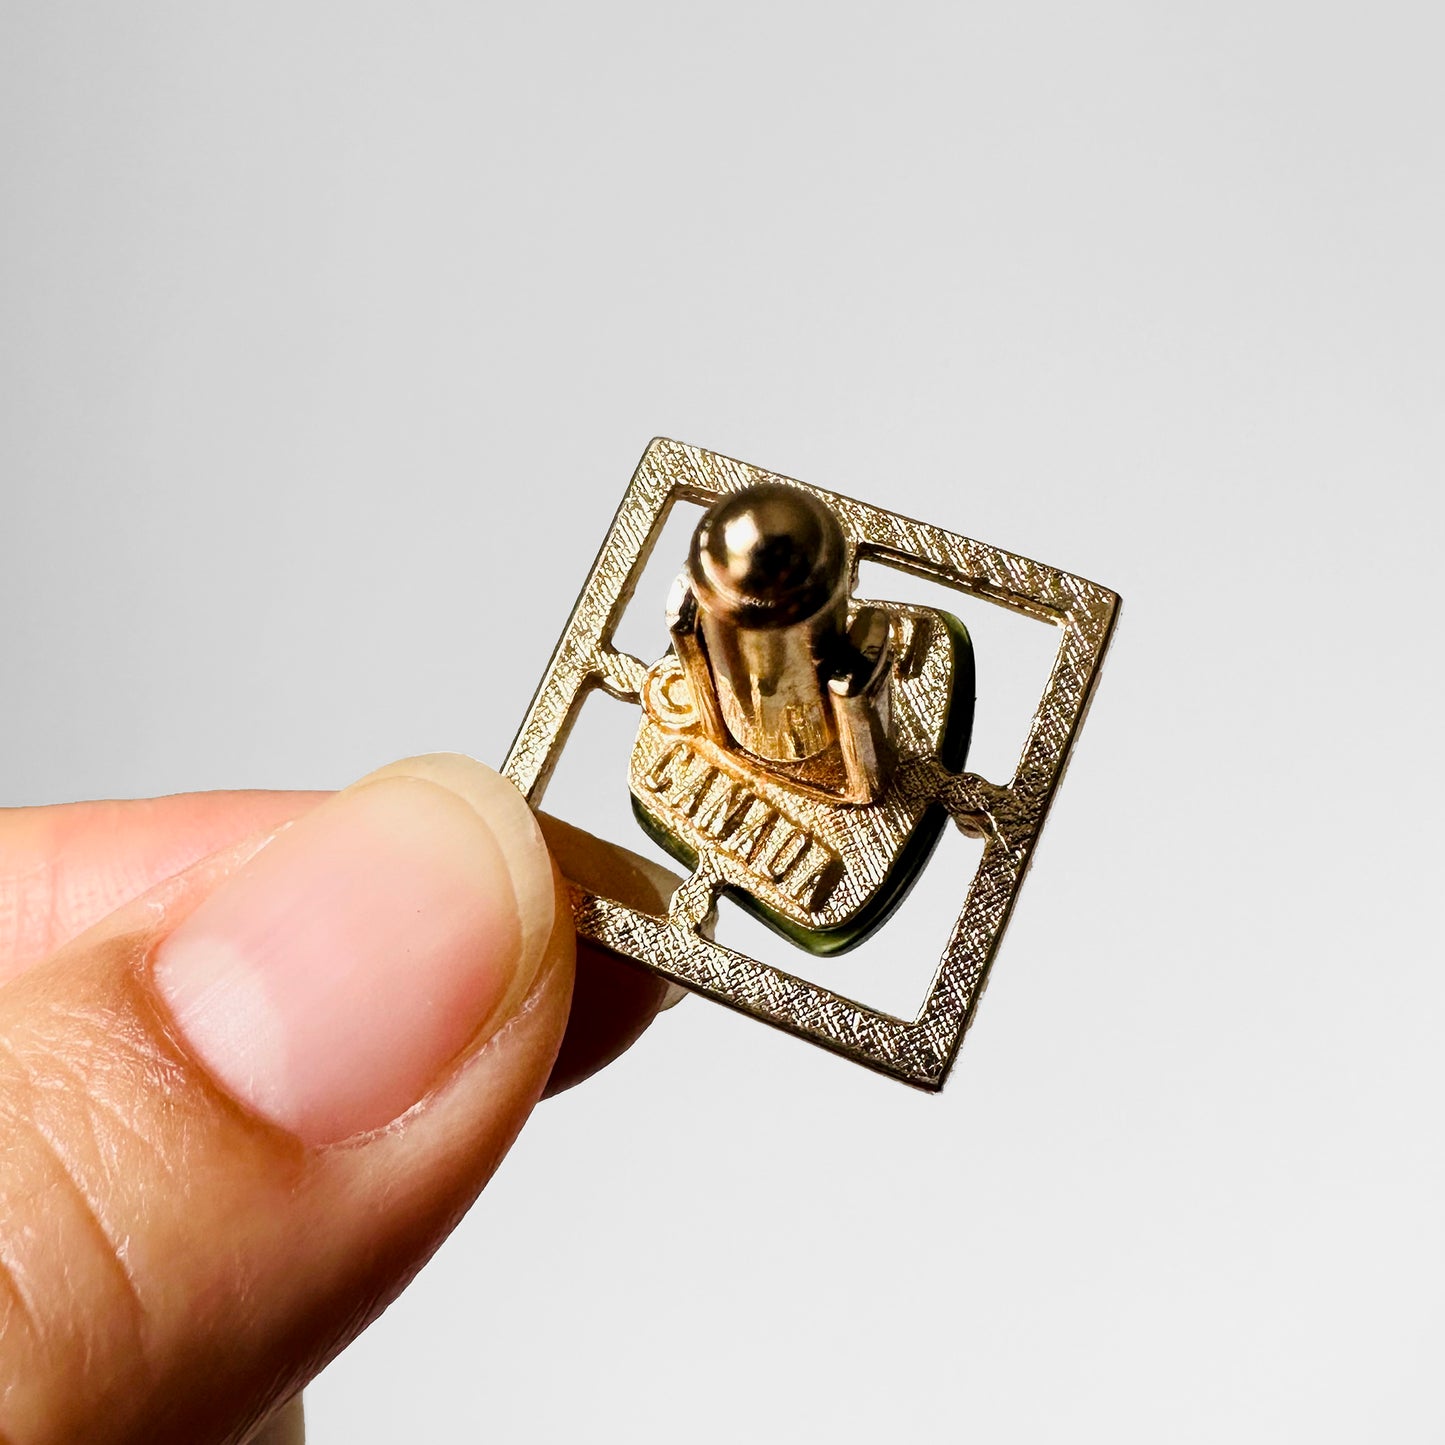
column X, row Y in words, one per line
column 801, row 748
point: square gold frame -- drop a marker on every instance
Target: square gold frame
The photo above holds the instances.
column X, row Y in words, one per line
column 1007, row 816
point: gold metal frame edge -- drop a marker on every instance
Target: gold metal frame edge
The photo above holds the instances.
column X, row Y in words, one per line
column 1008, row 816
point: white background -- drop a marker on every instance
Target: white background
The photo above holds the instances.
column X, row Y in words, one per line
column 329, row 336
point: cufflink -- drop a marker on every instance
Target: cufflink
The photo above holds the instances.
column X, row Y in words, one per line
column 801, row 747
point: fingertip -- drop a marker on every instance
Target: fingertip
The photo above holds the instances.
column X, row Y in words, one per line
column 512, row 822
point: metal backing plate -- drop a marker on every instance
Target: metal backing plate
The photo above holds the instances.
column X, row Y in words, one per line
column 821, row 873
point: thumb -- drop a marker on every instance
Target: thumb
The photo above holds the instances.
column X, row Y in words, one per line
column 239, row 1114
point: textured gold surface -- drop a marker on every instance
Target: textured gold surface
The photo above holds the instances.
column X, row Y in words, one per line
column 803, row 854
column 1008, row 816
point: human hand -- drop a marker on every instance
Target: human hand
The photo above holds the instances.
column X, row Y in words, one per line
column 239, row 1112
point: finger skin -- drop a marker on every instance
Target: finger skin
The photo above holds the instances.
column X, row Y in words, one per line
column 64, row 868
column 614, row 999
column 613, row 1002
column 171, row 1267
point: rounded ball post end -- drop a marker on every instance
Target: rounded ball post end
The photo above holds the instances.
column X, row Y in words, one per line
column 768, row 556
